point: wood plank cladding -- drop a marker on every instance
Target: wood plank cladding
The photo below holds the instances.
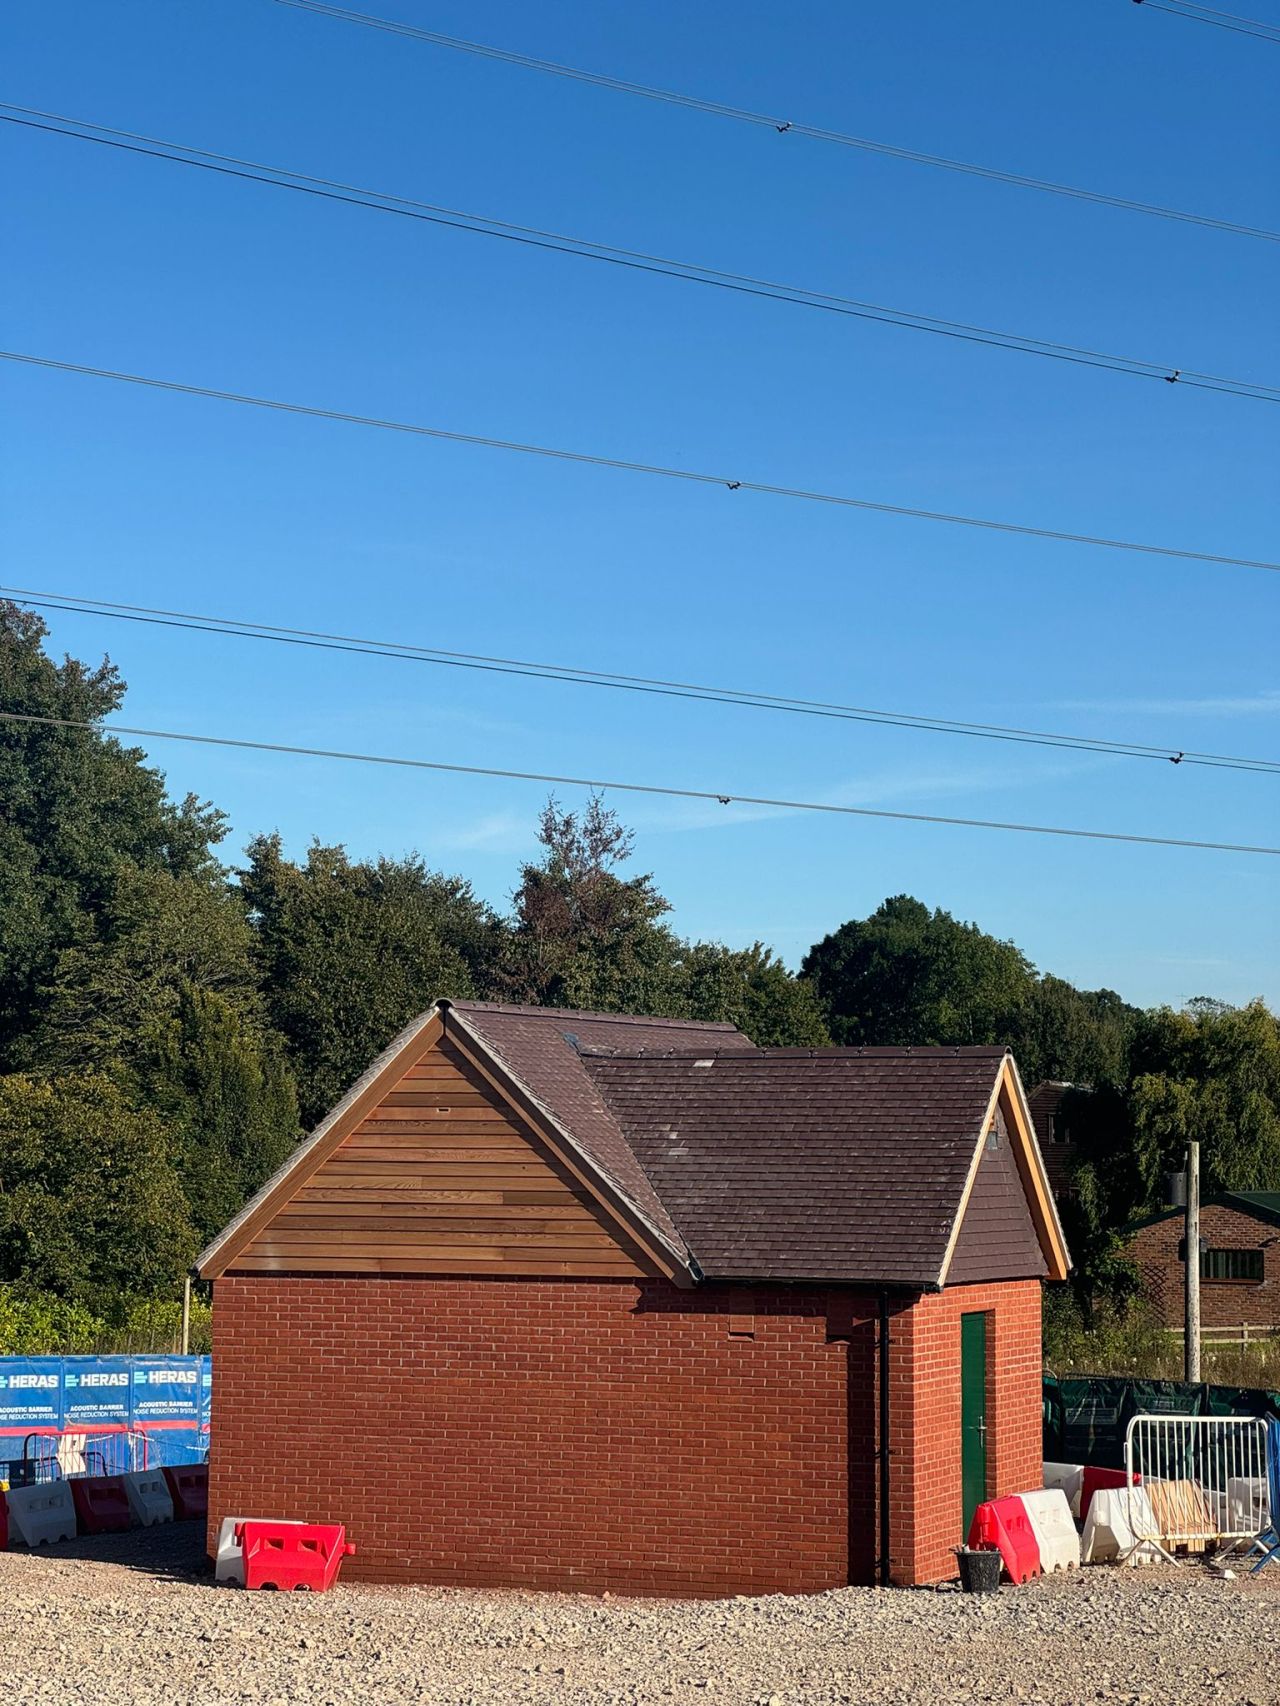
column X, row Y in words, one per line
column 442, row 1177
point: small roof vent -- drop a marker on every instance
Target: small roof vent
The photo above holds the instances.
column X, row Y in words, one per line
column 704, row 1063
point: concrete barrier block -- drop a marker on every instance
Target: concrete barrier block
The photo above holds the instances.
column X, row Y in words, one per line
column 149, row 1498
column 43, row 1513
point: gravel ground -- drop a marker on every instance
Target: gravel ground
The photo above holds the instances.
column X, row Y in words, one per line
column 135, row 1619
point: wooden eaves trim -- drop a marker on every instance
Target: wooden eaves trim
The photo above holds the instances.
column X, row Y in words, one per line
column 596, row 1184
column 1007, row 1093
column 1035, row 1180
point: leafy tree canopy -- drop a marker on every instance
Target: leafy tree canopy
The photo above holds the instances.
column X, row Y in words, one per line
column 906, row 976
column 752, row 989
column 75, row 807
column 90, row 1202
column 581, row 934
column 350, row 950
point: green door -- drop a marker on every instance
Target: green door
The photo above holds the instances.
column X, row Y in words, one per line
column 973, row 1413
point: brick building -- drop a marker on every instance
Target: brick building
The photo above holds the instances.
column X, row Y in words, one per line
column 1239, row 1262
column 576, row 1301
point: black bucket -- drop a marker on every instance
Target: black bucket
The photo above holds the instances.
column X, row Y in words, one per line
column 979, row 1570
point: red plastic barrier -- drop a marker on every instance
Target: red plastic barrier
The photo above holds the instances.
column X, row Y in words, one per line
column 189, row 1490
column 297, row 1555
column 1005, row 1525
column 102, row 1505
column 1095, row 1479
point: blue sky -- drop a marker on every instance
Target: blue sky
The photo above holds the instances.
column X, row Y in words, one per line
column 150, row 267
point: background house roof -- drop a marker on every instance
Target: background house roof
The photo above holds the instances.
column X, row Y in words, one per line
column 1262, row 1205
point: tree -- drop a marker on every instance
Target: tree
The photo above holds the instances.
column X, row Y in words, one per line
column 583, row 936
column 111, row 1002
column 349, row 951
column 753, row 990
column 75, row 807
column 166, row 1002
column 1075, row 1035
column 907, row 977
column 90, row 1203
column 1210, row 1072
column 230, row 1103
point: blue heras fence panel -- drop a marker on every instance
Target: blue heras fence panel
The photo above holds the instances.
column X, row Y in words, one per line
column 94, row 1389
column 30, row 1395
column 164, row 1389
column 156, row 1395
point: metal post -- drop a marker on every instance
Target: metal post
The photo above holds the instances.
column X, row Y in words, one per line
column 1191, row 1336
column 186, row 1316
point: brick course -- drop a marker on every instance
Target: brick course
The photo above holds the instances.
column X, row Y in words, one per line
column 610, row 1435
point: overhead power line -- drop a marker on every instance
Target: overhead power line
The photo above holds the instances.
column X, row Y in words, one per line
column 633, row 260
column 407, row 652
column 780, row 126
column 1197, row 15
column 600, row 784
column 586, row 458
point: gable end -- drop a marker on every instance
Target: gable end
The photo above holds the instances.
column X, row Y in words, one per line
column 442, row 1176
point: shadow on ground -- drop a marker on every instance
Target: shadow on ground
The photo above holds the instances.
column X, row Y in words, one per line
column 171, row 1551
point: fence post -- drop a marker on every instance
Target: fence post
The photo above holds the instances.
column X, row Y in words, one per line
column 1191, row 1343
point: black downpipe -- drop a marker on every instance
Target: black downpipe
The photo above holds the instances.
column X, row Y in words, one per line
column 883, row 1349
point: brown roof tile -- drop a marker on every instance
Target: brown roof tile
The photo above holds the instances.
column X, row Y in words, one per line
column 835, row 1164
column 541, row 1048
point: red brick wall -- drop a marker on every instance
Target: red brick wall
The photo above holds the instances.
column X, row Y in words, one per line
column 606, row 1435
column 1222, row 1303
column 924, row 1390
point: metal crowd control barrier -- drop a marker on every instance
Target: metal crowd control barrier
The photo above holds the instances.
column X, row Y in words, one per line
column 1203, row 1481
column 58, row 1455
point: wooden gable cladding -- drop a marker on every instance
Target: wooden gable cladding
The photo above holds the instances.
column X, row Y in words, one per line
column 992, row 1242
column 441, row 1175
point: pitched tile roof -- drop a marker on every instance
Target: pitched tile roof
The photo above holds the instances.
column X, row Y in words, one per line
column 542, row 1048
column 741, row 1163
column 837, row 1164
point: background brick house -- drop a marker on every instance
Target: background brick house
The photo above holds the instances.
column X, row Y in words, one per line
column 1239, row 1262
column 567, row 1300
column 1048, row 1114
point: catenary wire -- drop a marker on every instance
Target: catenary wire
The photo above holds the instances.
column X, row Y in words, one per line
column 633, row 260
column 588, row 459
column 784, row 126
column 602, row 785
column 1200, row 15
column 571, row 674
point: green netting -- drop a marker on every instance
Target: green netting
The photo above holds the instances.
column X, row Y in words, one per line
column 1085, row 1418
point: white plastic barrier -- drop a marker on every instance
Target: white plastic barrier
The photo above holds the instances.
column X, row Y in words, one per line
column 1248, row 1506
column 229, row 1564
column 150, row 1500
column 41, row 1513
column 1054, row 1528
column 1068, row 1476
column 1108, row 1536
